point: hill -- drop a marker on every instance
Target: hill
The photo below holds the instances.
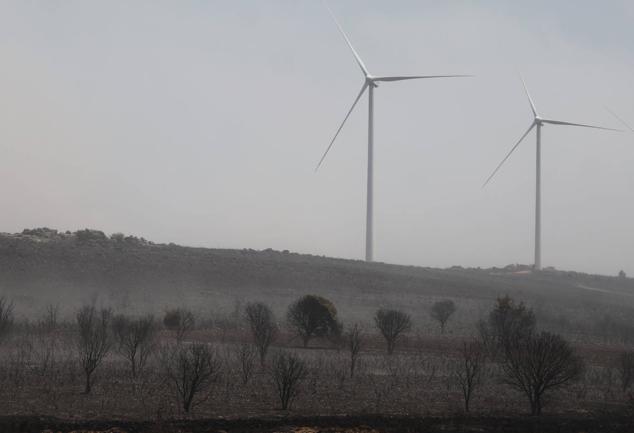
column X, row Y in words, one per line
column 41, row 266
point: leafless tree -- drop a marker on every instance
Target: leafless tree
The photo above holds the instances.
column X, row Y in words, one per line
column 179, row 320
column 263, row 327
column 392, row 324
column 288, row 371
column 625, row 368
column 468, row 371
column 49, row 321
column 94, row 340
column 538, row 364
column 442, row 311
column 245, row 356
column 135, row 340
column 354, row 342
column 192, row 370
column 6, row 316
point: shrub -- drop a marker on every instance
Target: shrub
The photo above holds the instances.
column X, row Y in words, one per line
column 50, row 320
column 192, row 371
column 354, row 343
column 263, row 327
column 288, row 371
column 94, row 340
column 245, row 357
column 135, row 339
column 507, row 322
column 468, row 371
column 313, row 316
column 392, row 324
column 179, row 320
column 625, row 368
column 441, row 311
column 538, row 364
column 6, row 317
column 87, row 235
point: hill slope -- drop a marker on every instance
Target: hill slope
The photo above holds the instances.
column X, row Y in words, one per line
column 41, row 266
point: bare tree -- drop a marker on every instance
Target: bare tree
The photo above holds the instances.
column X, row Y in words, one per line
column 392, row 324
column 354, row 342
column 442, row 311
column 245, row 357
column 94, row 340
column 538, row 364
column 179, row 320
column 288, row 371
column 192, row 370
column 49, row 321
column 468, row 371
column 625, row 368
column 135, row 340
column 263, row 327
column 6, row 316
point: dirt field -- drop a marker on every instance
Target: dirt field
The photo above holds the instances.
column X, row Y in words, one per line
column 42, row 378
column 364, row 424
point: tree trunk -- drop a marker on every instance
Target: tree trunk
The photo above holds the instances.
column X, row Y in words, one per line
column 390, row 347
column 87, row 386
column 536, row 405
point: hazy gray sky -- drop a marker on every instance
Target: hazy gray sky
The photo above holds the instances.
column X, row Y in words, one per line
column 200, row 123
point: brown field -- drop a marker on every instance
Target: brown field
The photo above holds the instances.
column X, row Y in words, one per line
column 41, row 377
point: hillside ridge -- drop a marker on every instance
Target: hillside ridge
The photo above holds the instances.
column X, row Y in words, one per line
column 42, row 263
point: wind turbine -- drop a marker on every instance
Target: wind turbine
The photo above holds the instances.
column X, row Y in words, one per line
column 627, row 125
column 537, row 123
column 370, row 83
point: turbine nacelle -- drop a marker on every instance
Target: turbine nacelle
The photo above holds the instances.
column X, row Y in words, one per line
column 371, row 81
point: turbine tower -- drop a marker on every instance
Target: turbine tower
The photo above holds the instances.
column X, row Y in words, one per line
column 537, row 123
column 370, row 83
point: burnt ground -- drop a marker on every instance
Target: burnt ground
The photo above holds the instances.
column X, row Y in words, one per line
column 341, row 424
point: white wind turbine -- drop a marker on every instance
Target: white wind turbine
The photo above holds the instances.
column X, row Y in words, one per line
column 620, row 119
column 370, row 83
column 537, row 123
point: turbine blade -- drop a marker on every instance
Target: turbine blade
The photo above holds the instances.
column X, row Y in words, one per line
column 530, row 100
column 620, row 119
column 559, row 122
column 354, row 52
column 509, row 154
column 416, row 77
column 365, row 86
